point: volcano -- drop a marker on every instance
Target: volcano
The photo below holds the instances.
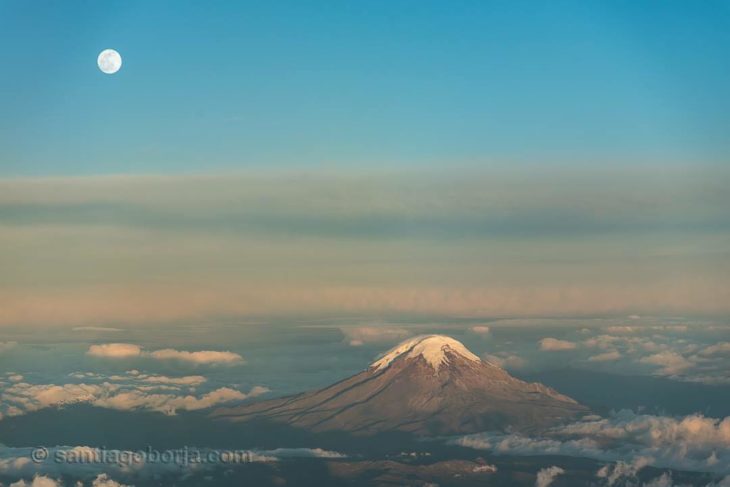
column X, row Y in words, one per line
column 428, row 385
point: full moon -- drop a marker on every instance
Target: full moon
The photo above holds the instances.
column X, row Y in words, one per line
column 109, row 61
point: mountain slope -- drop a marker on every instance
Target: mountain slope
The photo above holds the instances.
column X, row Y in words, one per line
column 428, row 385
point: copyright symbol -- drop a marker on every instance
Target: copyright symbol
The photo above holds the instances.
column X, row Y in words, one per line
column 39, row 454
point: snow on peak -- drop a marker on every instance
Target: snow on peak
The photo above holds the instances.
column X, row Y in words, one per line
column 431, row 347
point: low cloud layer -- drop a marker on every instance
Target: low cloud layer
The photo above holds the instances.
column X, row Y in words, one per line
column 96, row 467
column 692, row 442
column 675, row 348
column 555, row 345
column 101, row 480
column 128, row 392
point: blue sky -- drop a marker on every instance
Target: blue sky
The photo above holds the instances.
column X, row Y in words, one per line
column 230, row 85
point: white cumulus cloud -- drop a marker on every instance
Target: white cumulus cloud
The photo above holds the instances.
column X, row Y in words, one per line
column 38, row 481
column 201, row 357
column 692, row 442
column 555, row 345
column 129, row 350
column 671, row 362
column 99, row 465
column 133, row 391
column 717, row 349
column 103, row 480
column 115, row 350
column 620, row 471
column 546, row 476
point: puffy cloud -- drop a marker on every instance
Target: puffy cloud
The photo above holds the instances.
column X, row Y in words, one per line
column 619, row 471
column 98, row 464
column 689, row 358
column 38, row 396
column 546, row 476
column 555, row 345
column 671, row 362
column 127, row 392
column 605, row 357
column 188, row 380
column 38, row 481
column 646, row 345
column 169, row 403
column 115, row 350
column 505, row 360
column 361, row 335
column 601, row 341
column 136, row 377
column 692, row 442
column 716, row 349
column 201, row 357
column 129, row 350
column 303, row 453
column 515, row 444
column 83, row 463
column 103, row 480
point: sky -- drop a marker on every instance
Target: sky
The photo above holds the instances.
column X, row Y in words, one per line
column 487, row 159
column 232, row 85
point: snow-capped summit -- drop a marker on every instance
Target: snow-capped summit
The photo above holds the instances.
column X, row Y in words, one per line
column 427, row 385
column 433, row 348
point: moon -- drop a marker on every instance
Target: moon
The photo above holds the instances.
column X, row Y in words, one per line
column 109, row 61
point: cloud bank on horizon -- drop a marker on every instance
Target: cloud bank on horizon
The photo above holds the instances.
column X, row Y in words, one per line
column 471, row 242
